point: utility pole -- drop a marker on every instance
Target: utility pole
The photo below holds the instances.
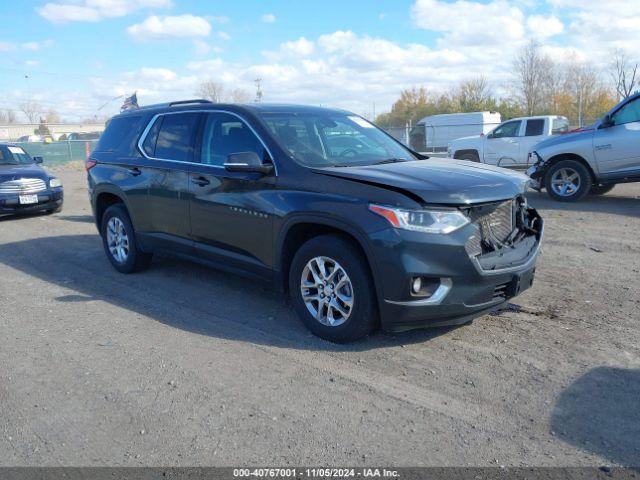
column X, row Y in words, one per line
column 259, row 94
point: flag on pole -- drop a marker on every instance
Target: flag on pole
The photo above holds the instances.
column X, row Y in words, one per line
column 130, row 103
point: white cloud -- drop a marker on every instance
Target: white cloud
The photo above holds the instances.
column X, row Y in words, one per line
column 6, row 47
column 598, row 27
column 224, row 35
column 220, row 19
column 544, row 27
column 470, row 23
column 302, row 47
column 201, row 47
column 34, row 46
column 181, row 26
column 268, row 18
column 94, row 10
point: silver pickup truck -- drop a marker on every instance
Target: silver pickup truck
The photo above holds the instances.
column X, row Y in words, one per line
column 593, row 159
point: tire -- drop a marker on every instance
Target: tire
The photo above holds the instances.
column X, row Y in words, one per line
column 116, row 230
column 601, row 189
column 339, row 255
column 54, row 210
column 470, row 156
column 568, row 181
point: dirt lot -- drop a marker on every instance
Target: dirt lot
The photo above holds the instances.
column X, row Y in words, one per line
column 188, row 366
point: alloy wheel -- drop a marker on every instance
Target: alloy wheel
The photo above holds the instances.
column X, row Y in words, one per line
column 565, row 182
column 117, row 240
column 327, row 291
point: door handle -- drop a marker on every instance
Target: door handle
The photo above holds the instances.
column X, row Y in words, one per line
column 135, row 171
column 201, row 181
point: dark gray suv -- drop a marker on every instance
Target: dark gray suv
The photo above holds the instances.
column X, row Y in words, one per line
column 360, row 230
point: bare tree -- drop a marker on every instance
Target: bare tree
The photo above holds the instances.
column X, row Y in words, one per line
column 211, row 90
column 52, row 116
column 7, row 117
column 240, row 96
column 531, row 68
column 474, row 95
column 626, row 77
column 31, row 110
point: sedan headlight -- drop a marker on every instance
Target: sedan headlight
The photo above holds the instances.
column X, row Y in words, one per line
column 55, row 182
column 429, row 221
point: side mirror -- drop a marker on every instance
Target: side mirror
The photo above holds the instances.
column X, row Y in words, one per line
column 248, row 162
column 606, row 122
column 38, row 159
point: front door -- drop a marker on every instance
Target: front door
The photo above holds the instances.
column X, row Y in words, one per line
column 617, row 148
column 169, row 148
column 231, row 212
column 502, row 146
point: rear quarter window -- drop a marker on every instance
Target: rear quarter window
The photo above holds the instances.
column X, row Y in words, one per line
column 535, row 127
column 121, row 135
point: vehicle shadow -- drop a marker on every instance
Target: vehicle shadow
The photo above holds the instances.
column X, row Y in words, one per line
column 24, row 216
column 610, row 203
column 600, row 413
column 181, row 294
column 77, row 218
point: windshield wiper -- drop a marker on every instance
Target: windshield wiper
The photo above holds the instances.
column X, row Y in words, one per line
column 390, row 160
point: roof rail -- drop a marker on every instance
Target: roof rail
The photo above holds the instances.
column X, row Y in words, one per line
column 189, row 102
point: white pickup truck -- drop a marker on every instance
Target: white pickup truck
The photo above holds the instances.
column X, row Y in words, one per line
column 508, row 145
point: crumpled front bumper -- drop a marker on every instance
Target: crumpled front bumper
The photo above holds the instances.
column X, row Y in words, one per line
column 470, row 288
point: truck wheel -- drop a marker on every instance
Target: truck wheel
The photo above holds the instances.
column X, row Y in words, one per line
column 601, row 189
column 568, row 181
column 119, row 241
column 332, row 291
column 470, row 156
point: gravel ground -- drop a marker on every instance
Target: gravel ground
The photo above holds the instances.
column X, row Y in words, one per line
column 182, row 365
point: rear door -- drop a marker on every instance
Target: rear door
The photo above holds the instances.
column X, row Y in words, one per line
column 169, row 148
column 231, row 212
column 617, row 148
column 502, row 146
column 535, row 130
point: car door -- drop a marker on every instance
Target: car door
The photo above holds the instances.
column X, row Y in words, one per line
column 169, row 148
column 502, row 146
column 617, row 147
column 231, row 215
column 534, row 133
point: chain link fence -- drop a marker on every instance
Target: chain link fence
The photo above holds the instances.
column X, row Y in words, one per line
column 59, row 153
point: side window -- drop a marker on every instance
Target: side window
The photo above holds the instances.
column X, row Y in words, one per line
column 535, row 127
column 120, row 135
column 149, row 144
column 509, row 129
column 559, row 125
column 629, row 113
column 176, row 137
column 225, row 134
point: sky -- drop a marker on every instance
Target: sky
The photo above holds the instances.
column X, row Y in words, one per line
column 77, row 56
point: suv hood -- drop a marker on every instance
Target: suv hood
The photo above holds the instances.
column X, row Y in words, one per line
column 438, row 181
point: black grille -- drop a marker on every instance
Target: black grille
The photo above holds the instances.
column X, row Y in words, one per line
column 495, row 222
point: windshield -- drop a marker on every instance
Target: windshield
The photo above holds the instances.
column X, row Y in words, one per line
column 10, row 155
column 333, row 139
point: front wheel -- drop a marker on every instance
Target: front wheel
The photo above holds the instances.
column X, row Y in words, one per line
column 332, row 290
column 470, row 157
column 568, row 181
column 119, row 241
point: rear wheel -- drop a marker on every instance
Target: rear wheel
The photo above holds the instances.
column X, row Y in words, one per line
column 601, row 189
column 470, row 156
column 119, row 241
column 332, row 291
column 568, row 181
